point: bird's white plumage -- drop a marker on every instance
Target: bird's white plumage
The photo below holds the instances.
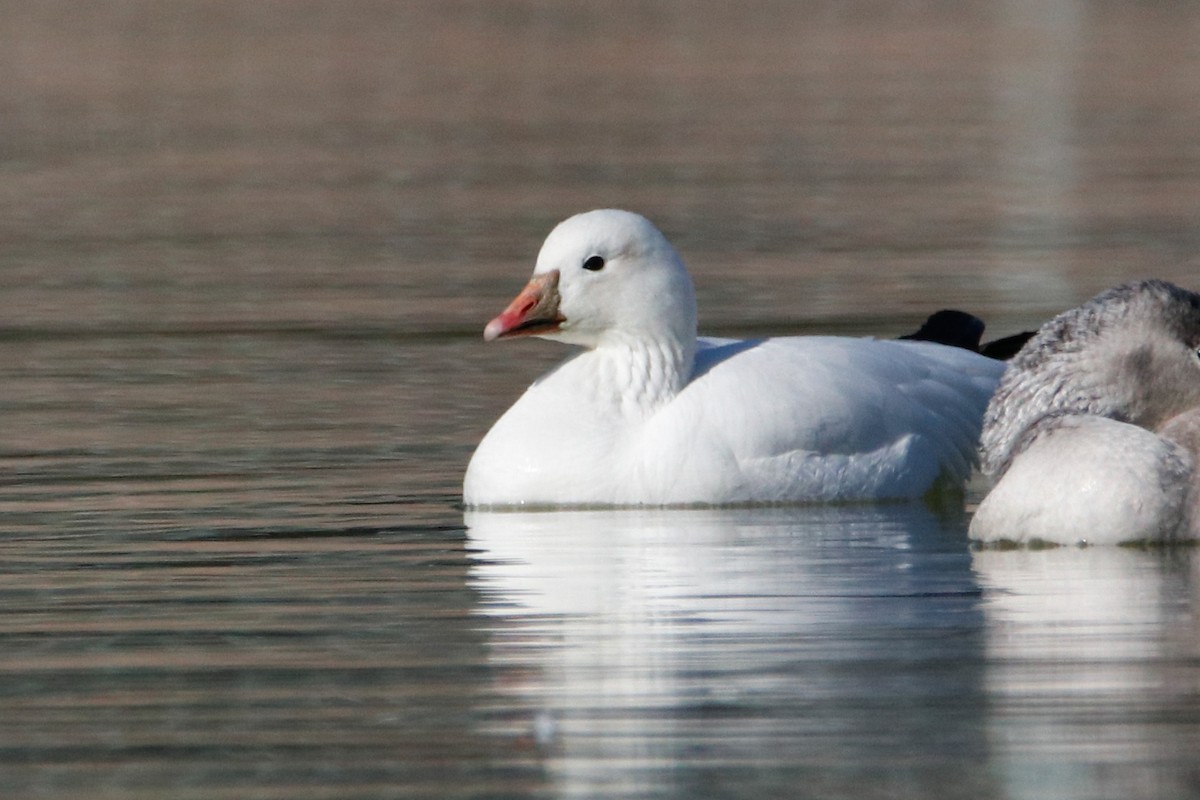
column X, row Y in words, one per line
column 1089, row 480
column 649, row 415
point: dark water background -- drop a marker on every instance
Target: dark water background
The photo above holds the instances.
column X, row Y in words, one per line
column 246, row 253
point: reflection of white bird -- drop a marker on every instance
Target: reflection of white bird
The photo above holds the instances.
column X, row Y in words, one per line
column 643, row 646
column 650, row 415
column 1090, row 672
column 1093, row 432
column 745, row 565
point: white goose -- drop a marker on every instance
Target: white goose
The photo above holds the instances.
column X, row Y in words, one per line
column 1093, row 433
column 648, row 414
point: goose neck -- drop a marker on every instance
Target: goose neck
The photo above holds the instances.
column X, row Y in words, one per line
column 643, row 375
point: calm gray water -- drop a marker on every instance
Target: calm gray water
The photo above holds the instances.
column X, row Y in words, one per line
column 246, row 253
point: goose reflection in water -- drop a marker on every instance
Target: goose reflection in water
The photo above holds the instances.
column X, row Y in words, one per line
column 850, row 650
column 1091, row 674
column 659, row 651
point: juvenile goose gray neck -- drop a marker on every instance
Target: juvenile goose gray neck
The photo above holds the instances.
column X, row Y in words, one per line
column 1129, row 354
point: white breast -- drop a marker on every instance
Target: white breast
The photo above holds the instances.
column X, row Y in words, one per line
column 1089, row 480
column 781, row 420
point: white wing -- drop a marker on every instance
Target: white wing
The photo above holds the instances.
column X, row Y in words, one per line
column 819, row 418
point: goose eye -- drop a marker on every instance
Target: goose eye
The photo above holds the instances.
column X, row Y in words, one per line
column 594, row 263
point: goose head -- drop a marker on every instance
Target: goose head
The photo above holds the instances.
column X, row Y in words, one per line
column 1131, row 353
column 604, row 276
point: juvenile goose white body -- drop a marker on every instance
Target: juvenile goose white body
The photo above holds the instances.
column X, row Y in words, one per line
column 1093, row 433
column 648, row 414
